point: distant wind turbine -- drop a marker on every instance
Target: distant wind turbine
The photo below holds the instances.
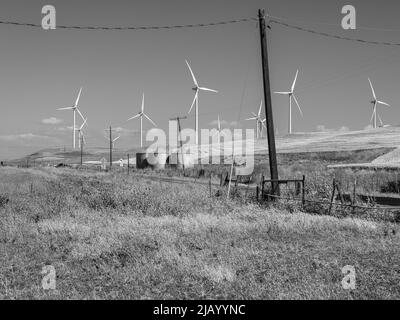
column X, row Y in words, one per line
column 219, row 129
column 140, row 115
column 74, row 108
column 197, row 88
column 291, row 95
column 375, row 102
column 115, row 140
column 259, row 122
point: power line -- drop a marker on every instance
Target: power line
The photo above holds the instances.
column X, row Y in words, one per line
column 272, row 19
column 308, row 22
column 330, row 35
column 276, row 20
column 116, row 28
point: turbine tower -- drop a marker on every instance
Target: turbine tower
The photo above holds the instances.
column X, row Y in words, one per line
column 259, row 122
column 75, row 109
column 197, row 88
column 291, row 95
column 375, row 103
column 141, row 114
column 81, row 136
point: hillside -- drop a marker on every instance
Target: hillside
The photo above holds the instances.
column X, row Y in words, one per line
column 296, row 143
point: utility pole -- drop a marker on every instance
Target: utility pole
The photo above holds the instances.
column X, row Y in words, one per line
column 111, row 146
column 273, row 164
column 178, row 119
column 81, row 149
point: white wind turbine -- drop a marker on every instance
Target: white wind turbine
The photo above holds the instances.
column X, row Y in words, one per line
column 375, row 102
column 259, row 122
column 291, row 95
column 115, row 140
column 80, row 133
column 74, row 108
column 219, row 129
column 141, row 114
column 197, row 88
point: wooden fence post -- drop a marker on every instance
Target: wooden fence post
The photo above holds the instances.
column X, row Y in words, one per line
column 257, row 192
column 262, row 187
column 209, row 184
column 128, row 164
column 333, row 195
column 354, row 200
column 303, row 196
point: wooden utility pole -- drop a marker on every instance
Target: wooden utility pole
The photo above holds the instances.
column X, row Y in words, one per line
column 178, row 119
column 273, row 164
column 81, row 150
column 111, row 147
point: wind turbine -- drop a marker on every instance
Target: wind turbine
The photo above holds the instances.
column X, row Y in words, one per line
column 219, row 129
column 80, row 133
column 375, row 102
column 259, row 122
column 141, row 114
column 291, row 95
column 74, row 108
column 115, row 140
column 197, row 88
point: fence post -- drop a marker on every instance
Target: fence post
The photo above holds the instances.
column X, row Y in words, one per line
column 230, row 179
column 128, row 164
column 303, row 196
column 209, row 184
column 262, row 187
column 353, row 202
column 257, row 192
column 340, row 193
column 333, row 195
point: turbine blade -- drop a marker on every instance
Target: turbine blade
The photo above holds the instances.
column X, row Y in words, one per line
column 191, row 71
column 116, row 138
column 295, row 79
column 83, row 124
column 134, row 117
column 295, row 100
column 194, row 100
column 143, row 103
column 259, row 111
column 282, row 92
column 380, row 120
column 83, row 118
column 384, row 103
column 263, row 123
column 255, row 118
column 78, row 98
column 207, row 89
column 372, row 88
column 66, row 108
column 150, row 120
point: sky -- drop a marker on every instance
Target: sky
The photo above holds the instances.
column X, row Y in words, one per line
column 43, row 70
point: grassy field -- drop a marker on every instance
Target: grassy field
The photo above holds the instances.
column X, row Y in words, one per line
column 112, row 236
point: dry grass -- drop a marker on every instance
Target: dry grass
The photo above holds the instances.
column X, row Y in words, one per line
column 110, row 236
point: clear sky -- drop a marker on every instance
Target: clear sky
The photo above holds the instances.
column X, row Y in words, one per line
column 43, row 70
